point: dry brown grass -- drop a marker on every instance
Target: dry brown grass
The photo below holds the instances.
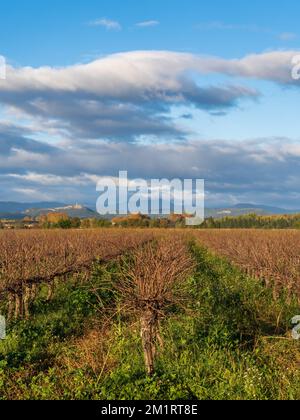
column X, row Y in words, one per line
column 91, row 352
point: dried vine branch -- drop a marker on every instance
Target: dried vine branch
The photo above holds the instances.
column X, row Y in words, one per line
column 151, row 283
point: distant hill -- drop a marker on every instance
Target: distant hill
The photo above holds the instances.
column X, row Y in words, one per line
column 14, row 207
column 17, row 211
column 246, row 208
column 11, row 210
column 72, row 211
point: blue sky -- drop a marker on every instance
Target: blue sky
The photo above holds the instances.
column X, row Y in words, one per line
column 55, row 32
column 91, row 85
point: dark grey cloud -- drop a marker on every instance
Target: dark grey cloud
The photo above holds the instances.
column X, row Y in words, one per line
column 123, row 96
column 15, row 138
column 263, row 170
column 102, row 108
column 90, row 116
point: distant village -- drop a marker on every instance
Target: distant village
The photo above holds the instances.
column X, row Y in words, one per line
column 18, row 224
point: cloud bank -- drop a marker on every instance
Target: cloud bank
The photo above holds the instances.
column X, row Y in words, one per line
column 259, row 170
column 101, row 110
column 129, row 95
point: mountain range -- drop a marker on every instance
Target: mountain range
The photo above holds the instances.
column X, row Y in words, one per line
column 14, row 210
column 246, row 208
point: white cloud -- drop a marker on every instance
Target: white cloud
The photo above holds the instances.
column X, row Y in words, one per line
column 287, row 36
column 107, row 23
column 148, row 23
column 128, row 94
column 123, row 97
column 222, row 26
column 31, row 194
column 145, row 72
column 55, row 180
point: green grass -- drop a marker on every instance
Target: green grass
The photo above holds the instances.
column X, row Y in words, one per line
column 232, row 341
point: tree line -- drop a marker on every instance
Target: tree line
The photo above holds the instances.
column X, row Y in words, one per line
column 254, row 221
column 250, row 221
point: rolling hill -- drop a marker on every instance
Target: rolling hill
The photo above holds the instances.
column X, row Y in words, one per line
column 14, row 210
column 21, row 210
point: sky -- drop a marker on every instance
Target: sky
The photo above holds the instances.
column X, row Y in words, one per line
column 162, row 89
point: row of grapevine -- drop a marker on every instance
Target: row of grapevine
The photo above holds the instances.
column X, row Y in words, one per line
column 272, row 256
column 29, row 259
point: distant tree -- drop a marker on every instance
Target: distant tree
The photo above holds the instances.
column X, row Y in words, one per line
column 85, row 223
column 164, row 223
column 133, row 220
column 154, row 223
column 55, row 220
column 63, row 224
column 57, row 217
column 101, row 223
column 75, row 222
column 253, row 221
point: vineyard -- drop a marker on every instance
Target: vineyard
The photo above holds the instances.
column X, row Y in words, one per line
column 149, row 314
column 270, row 256
column 31, row 259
